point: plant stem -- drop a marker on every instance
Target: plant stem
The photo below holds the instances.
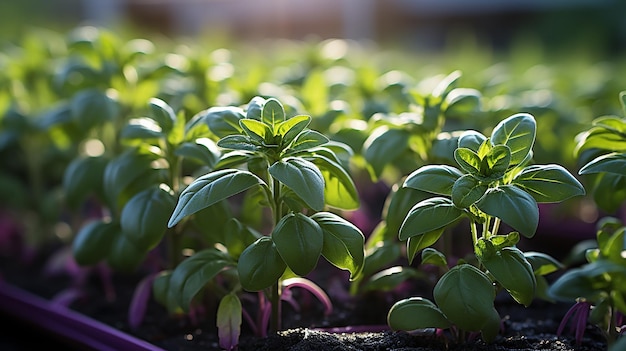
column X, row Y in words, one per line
column 275, row 289
column 496, row 226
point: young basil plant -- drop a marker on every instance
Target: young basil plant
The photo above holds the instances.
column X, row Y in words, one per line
column 602, row 150
column 599, row 286
column 299, row 174
column 493, row 184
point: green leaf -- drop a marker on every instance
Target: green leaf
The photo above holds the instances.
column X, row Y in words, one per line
column 257, row 131
column 510, row 269
column 260, row 265
column 611, row 123
column 437, row 179
column 465, row 295
column 203, row 151
column 419, row 242
column 390, row 278
column 162, row 113
column 497, row 161
column 339, row 189
column 574, row 284
column 210, row 189
column 343, row 243
column 467, row 190
column 429, row 215
column 92, row 107
column 144, row 217
column 307, row 140
column 82, row 177
column 398, row 205
column 124, row 255
column 513, row 206
column 610, row 163
column 142, row 129
column 221, row 121
column 238, row 236
column 432, row 256
column 229, row 314
column 471, row 139
column 193, row 273
column 518, row 133
column 273, row 112
column 122, row 171
column 468, row 160
column 380, row 256
column 601, row 138
column 254, row 109
column 416, row 313
column 290, row 128
column 299, row 240
column 303, row 178
column 383, row 146
column 548, row 183
column 162, row 293
column 542, row 264
column 237, row 142
column 93, row 242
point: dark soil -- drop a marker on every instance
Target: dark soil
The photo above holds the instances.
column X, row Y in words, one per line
column 523, row 329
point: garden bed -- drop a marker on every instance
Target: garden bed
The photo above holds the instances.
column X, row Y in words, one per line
column 354, row 325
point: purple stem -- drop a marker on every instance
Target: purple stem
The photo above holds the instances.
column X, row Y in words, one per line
column 313, row 289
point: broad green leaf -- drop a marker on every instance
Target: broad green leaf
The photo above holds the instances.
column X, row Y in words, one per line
column 299, row 240
column 339, row 189
column 92, row 107
column 290, row 128
column 510, row 269
column 419, row 242
column 612, row 123
column 260, row 265
column 574, row 284
column 122, row 171
column 162, row 113
column 471, row 139
column 443, row 88
column 437, row 179
column 462, row 102
column 238, row 236
column 465, row 295
column 342, row 244
column 383, row 146
column 467, row 190
column 518, row 133
column 542, row 264
column 390, row 278
column 432, row 256
column 609, row 191
column 203, row 151
column 142, row 129
column 513, row 206
column 548, row 183
column 303, row 178
column 210, row 189
column 600, row 138
column 416, row 313
column 610, row 163
column 380, row 256
column 468, row 160
column 237, row 142
column 398, row 205
column 162, row 292
column 82, row 177
column 124, row 255
column 211, row 223
column 144, row 217
column 93, row 242
column 273, row 112
column 221, row 121
column 307, row 140
column 497, row 161
column 257, row 131
column 193, row 274
column 429, row 215
column 254, row 109
column 229, row 314
column 501, row 241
